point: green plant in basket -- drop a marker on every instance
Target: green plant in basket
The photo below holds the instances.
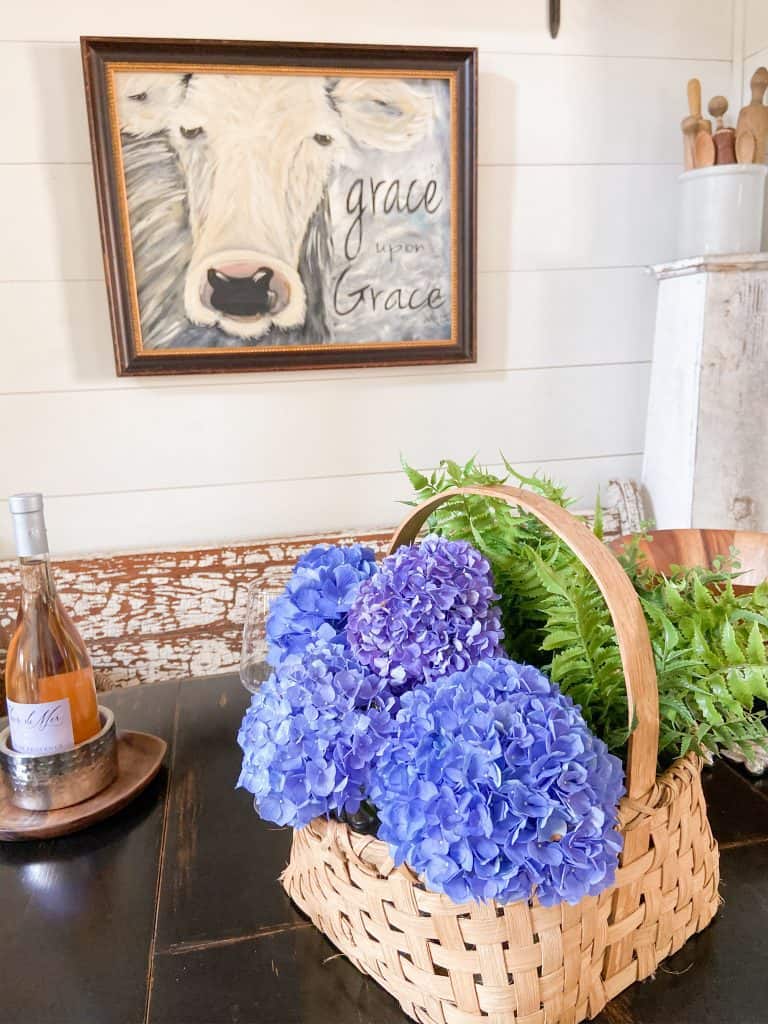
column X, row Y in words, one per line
column 708, row 642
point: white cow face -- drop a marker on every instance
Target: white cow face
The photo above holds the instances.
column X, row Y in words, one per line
column 257, row 152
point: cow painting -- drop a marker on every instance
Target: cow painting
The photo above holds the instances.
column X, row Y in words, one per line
column 286, row 209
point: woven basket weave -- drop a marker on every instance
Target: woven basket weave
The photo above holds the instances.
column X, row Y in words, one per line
column 449, row 963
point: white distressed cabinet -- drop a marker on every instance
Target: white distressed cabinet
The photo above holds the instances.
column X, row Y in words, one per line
column 706, row 446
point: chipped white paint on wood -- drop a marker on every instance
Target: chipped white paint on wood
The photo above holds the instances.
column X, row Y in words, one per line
column 626, row 510
column 176, row 614
column 164, row 615
column 712, row 264
column 706, row 459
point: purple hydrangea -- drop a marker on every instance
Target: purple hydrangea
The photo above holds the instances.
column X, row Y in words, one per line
column 317, row 599
column 427, row 612
column 310, row 736
column 493, row 787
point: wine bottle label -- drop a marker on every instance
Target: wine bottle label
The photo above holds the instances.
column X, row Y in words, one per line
column 41, row 728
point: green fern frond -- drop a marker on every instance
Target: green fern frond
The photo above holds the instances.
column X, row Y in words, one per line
column 708, row 642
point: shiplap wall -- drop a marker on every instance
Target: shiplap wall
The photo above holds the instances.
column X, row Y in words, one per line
column 579, row 152
column 755, row 39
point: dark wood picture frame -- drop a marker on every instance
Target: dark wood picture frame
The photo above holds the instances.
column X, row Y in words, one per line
column 102, row 57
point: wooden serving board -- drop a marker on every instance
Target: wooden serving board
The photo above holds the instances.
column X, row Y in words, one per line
column 139, row 756
column 663, row 549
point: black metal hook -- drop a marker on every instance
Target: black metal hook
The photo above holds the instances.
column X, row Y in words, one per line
column 554, row 18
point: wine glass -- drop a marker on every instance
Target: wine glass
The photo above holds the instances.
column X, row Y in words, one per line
column 253, row 654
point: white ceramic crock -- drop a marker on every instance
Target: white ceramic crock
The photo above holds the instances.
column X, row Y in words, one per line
column 722, row 210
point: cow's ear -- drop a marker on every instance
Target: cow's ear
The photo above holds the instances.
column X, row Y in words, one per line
column 146, row 101
column 383, row 113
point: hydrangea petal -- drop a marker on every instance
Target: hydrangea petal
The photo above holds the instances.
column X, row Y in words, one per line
column 430, row 610
column 492, row 787
column 311, row 734
column 317, row 599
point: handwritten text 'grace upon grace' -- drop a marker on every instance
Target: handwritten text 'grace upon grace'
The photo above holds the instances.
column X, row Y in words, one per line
column 365, row 200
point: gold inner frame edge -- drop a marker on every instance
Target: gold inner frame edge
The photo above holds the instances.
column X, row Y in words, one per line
column 112, row 66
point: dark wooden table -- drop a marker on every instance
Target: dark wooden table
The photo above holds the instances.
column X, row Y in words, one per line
column 171, row 912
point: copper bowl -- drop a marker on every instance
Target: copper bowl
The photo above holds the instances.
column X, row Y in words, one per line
column 44, row 782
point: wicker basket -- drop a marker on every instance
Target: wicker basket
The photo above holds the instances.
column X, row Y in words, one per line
column 449, row 963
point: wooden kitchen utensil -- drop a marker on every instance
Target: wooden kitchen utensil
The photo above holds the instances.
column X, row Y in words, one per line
column 725, row 146
column 745, row 147
column 754, row 117
column 694, row 106
column 717, row 107
column 704, row 150
column 689, row 125
column 724, row 138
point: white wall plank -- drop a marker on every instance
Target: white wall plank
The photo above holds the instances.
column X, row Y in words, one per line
column 530, row 218
column 153, row 438
column 172, row 461
column 57, row 334
column 48, row 123
column 565, row 317
column 755, row 27
column 561, row 110
column 595, row 103
column 48, row 223
column 84, row 524
column 685, row 28
column 538, row 217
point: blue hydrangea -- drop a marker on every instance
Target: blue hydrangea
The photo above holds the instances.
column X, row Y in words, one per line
column 493, row 787
column 430, row 610
column 310, row 736
column 317, row 599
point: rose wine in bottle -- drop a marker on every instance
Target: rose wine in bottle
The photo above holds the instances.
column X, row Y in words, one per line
column 48, row 677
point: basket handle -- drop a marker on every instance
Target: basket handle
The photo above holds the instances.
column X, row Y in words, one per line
column 623, row 605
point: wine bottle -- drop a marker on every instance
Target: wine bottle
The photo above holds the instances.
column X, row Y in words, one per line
column 48, row 677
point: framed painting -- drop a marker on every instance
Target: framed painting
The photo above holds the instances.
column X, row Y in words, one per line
column 272, row 206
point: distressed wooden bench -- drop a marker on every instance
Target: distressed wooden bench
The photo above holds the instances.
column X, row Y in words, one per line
column 176, row 614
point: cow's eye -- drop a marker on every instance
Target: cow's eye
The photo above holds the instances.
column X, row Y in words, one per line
column 192, row 133
column 138, row 97
column 323, row 140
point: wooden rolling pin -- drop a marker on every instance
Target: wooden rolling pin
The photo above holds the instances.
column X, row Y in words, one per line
column 754, row 117
column 693, row 124
column 723, row 138
column 694, row 106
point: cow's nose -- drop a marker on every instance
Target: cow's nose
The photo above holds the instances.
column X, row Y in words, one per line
column 256, row 293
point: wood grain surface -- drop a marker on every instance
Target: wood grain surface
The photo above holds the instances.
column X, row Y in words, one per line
column 704, row 152
column 171, row 912
column 664, row 549
column 689, row 127
column 725, row 146
column 165, row 614
column 241, row 854
column 84, row 905
column 754, row 117
column 746, row 146
column 703, row 461
column 723, row 137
